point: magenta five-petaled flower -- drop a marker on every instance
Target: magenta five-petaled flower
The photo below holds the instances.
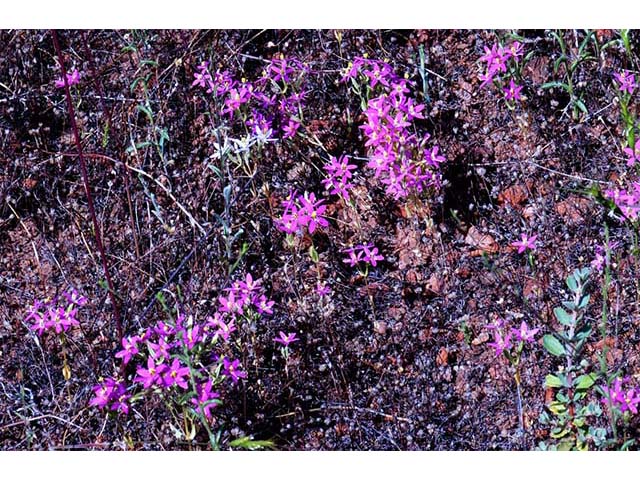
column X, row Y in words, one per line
column 624, row 400
column 56, row 315
column 628, row 201
column 397, row 153
column 322, row 289
column 338, row 181
column 526, row 243
column 150, row 375
column 232, row 370
column 111, row 393
column 129, row 349
column 302, row 211
column 73, row 78
column 633, row 153
column 512, row 91
column 626, row 80
column 524, row 333
column 206, row 398
column 174, row 375
column 362, row 253
column 286, row 338
column 501, row 342
column 600, row 260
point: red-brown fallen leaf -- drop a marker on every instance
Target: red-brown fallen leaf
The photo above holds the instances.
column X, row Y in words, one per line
column 373, row 288
column 443, row 357
column 29, row 183
column 532, row 288
column 604, row 35
column 435, row 283
column 482, row 242
column 514, row 196
column 573, row 209
column 413, row 276
column 341, row 429
column 549, row 395
column 380, row 327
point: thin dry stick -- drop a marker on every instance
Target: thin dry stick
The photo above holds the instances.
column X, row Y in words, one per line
column 386, row 416
column 85, row 179
column 39, row 417
column 190, row 217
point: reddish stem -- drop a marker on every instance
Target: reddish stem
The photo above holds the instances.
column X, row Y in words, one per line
column 85, row 179
column 107, row 114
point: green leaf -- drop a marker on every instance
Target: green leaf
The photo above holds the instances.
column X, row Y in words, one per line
column 584, row 381
column 144, row 109
column 553, row 345
column 580, row 104
column 313, row 254
column 584, row 273
column 557, row 408
column 584, row 301
column 164, row 136
column 248, row 444
column 552, row 381
column 584, row 42
column 563, row 316
column 547, row 85
column 556, row 64
column 629, row 443
column 565, row 446
column 583, row 332
column 152, row 63
column 559, row 433
column 572, row 283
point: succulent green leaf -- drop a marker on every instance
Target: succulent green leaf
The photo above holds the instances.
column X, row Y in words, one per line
column 584, row 381
column 553, row 345
column 564, row 317
column 552, row 381
column 584, row 301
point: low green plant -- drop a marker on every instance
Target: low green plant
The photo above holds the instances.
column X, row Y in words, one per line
column 571, row 63
column 571, row 414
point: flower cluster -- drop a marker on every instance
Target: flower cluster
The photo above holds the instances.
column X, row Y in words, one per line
column 58, row 314
column 628, row 201
column 497, row 59
column 624, row 400
column 113, row 394
column 73, row 78
column 182, row 356
column 626, row 81
column 398, row 156
column 302, row 211
column 366, row 253
column 503, row 335
column 339, row 176
column 273, row 102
